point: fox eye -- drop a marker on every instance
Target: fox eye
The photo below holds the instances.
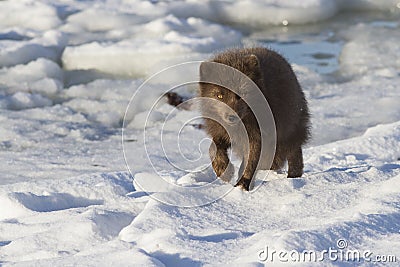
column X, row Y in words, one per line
column 220, row 96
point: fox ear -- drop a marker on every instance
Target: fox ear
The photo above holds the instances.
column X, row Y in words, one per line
column 252, row 60
column 205, row 70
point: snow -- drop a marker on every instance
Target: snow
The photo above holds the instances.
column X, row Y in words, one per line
column 49, row 45
column 370, row 52
column 178, row 37
column 86, row 182
column 45, row 15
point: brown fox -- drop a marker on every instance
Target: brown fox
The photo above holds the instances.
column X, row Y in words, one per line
column 276, row 80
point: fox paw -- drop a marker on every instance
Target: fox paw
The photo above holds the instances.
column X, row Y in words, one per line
column 244, row 183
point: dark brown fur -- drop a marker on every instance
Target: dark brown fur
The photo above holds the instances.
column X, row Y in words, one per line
column 278, row 83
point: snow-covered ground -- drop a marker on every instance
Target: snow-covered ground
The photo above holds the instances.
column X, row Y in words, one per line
column 70, row 196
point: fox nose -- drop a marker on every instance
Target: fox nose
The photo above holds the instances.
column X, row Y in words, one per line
column 232, row 118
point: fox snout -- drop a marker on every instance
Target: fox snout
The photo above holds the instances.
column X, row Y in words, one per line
column 231, row 118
